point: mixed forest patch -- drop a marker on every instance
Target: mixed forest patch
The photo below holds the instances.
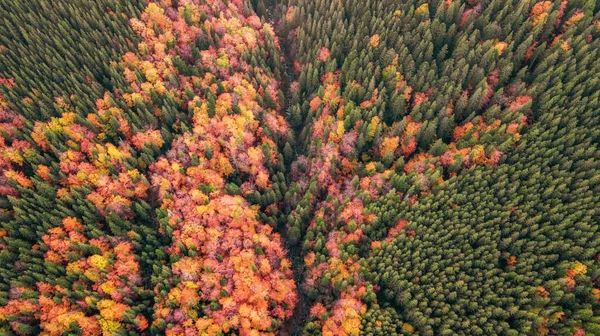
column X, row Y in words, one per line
column 300, row 167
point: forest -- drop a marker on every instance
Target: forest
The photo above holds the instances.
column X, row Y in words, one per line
column 300, row 167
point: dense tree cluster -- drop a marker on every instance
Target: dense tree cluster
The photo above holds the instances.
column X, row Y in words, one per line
column 141, row 212
column 258, row 167
column 392, row 100
column 62, row 50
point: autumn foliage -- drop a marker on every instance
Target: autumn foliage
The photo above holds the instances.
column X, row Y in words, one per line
column 315, row 167
column 204, row 130
column 105, row 269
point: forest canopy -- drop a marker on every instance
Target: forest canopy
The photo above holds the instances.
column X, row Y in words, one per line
column 299, row 167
